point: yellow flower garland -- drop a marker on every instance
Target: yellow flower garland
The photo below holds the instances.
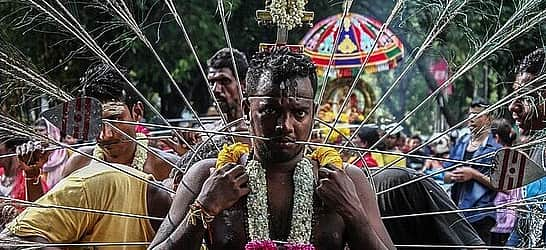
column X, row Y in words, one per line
column 326, row 155
column 232, row 154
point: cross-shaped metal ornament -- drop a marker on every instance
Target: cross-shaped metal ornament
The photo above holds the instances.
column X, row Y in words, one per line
column 265, row 18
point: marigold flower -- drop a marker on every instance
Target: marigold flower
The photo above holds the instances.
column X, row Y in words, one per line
column 231, row 154
column 326, row 155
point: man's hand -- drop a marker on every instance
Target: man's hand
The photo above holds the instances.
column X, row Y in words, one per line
column 463, row 174
column 9, row 212
column 178, row 145
column 223, row 188
column 338, row 191
column 32, row 154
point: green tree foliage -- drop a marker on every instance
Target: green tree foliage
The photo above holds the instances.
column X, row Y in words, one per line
column 64, row 59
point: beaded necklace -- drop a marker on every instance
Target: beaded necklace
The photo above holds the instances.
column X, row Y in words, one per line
column 302, row 210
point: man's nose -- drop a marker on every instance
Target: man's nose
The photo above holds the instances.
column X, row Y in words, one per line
column 514, row 106
column 106, row 132
column 286, row 123
column 217, row 88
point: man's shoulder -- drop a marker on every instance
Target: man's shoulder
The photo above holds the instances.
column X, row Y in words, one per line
column 201, row 168
column 105, row 172
column 78, row 160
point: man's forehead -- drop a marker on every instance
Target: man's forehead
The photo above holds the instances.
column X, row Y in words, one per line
column 475, row 109
column 269, row 99
column 113, row 108
column 217, row 72
column 522, row 80
column 295, row 87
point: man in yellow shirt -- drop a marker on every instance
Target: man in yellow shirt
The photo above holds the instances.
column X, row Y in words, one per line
column 91, row 185
column 389, row 144
column 98, row 187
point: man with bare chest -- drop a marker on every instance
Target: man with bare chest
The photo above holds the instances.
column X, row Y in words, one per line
column 275, row 196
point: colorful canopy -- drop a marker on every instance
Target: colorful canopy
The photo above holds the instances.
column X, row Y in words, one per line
column 355, row 42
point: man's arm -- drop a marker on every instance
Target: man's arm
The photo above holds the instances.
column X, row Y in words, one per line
column 77, row 161
column 350, row 193
column 370, row 224
column 217, row 191
column 5, row 237
column 463, row 174
column 175, row 231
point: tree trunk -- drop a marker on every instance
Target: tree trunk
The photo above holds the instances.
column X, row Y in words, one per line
column 431, row 83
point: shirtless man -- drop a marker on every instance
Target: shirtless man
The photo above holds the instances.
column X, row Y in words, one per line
column 224, row 85
column 120, row 102
column 279, row 105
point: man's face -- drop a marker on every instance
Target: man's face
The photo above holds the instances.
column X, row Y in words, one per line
column 359, row 142
column 391, row 141
column 477, row 123
column 284, row 116
column 529, row 110
column 225, row 89
column 413, row 143
column 41, row 130
column 113, row 142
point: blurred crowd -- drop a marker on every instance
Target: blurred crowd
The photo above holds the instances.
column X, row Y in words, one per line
column 454, row 167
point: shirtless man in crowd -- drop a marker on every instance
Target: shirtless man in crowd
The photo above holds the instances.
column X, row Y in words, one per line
column 278, row 105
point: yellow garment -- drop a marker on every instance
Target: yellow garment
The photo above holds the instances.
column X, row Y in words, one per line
column 98, row 187
column 326, row 155
column 384, row 159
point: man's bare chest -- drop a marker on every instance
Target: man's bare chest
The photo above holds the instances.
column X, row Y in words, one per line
column 229, row 230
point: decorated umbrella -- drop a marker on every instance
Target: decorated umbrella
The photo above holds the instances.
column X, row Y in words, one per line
column 355, row 43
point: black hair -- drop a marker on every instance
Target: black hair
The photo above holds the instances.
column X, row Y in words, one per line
column 40, row 122
column 533, row 63
column 369, row 135
column 103, row 82
column 222, row 59
column 283, row 64
column 479, row 102
column 416, row 137
column 502, row 128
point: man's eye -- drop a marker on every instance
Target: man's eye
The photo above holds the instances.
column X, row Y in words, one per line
column 268, row 111
column 301, row 113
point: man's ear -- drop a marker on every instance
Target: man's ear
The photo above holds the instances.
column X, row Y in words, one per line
column 138, row 111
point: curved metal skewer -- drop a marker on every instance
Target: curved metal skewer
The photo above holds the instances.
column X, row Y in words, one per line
column 78, row 209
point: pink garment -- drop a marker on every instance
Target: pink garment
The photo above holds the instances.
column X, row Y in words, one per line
column 57, row 159
column 506, row 218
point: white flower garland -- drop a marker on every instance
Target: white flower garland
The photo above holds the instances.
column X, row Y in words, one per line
column 287, row 13
column 141, row 154
column 302, row 211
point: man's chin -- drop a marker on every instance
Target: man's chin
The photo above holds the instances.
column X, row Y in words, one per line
column 112, row 152
column 278, row 155
column 224, row 107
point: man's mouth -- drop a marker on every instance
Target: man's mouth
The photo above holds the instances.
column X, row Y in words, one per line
column 108, row 144
column 283, row 142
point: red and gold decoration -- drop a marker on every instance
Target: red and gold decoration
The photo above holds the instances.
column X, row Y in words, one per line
column 356, row 39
